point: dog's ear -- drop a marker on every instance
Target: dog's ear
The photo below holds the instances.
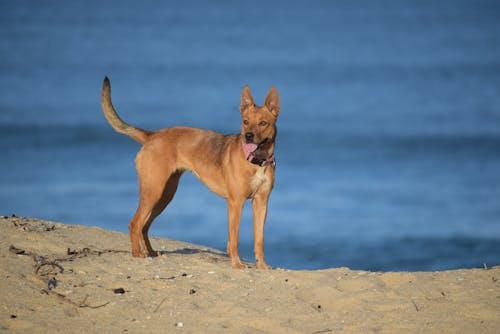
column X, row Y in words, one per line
column 273, row 101
column 246, row 99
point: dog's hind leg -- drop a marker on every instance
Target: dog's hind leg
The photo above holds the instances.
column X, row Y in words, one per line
column 166, row 198
column 137, row 238
column 158, row 184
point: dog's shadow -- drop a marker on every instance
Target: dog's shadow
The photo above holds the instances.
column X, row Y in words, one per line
column 211, row 255
column 191, row 251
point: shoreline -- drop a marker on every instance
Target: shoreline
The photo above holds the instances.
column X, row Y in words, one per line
column 58, row 277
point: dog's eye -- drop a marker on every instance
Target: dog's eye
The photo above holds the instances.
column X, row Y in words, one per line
column 245, row 121
column 263, row 123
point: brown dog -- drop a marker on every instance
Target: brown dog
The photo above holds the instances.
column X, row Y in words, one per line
column 236, row 167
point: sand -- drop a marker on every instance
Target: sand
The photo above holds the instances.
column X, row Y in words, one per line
column 76, row 279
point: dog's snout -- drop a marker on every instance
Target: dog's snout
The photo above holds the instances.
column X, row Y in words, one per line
column 249, row 137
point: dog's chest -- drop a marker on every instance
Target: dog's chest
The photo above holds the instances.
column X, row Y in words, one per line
column 259, row 180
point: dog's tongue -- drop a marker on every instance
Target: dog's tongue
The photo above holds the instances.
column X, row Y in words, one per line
column 249, row 148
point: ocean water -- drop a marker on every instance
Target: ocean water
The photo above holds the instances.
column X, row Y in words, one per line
column 389, row 134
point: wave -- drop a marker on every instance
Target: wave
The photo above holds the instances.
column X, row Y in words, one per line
column 36, row 136
column 71, row 133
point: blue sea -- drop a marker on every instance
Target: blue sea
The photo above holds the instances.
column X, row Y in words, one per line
column 388, row 153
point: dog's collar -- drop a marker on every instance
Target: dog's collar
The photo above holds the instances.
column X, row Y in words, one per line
column 250, row 150
column 262, row 162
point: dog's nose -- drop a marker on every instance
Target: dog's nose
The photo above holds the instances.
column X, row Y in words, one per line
column 249, row 136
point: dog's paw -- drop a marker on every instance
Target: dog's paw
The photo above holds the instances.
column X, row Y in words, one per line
column 236, row 264
column 138, row 254
column 262, row 265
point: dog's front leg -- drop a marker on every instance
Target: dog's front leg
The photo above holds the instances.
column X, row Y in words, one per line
column 235, row 207
column 259, row 207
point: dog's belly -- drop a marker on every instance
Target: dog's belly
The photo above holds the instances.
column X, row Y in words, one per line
column 214, row 185
column 259, row 181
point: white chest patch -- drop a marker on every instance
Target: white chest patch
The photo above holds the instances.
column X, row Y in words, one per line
column 259, row 180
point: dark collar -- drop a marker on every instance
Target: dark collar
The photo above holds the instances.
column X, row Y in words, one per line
column 270, row 161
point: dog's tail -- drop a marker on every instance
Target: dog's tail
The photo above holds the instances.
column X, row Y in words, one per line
column 116, row 122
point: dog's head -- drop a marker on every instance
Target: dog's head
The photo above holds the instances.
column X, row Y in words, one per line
column 258, row 124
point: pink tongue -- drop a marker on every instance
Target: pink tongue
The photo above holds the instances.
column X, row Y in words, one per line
column 249, row 148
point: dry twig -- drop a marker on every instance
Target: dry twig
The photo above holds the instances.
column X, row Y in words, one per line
column 41, row 262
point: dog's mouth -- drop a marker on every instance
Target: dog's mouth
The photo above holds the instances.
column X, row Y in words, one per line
column 252, row 147
column 249, row 147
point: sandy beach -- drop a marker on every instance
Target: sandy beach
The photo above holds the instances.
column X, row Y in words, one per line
column 66, row 278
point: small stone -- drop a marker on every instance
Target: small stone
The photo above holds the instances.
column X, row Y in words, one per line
column 179, row 324
column 52, row 283
column 119, row 291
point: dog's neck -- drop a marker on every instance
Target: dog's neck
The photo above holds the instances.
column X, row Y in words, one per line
column 250, row 149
